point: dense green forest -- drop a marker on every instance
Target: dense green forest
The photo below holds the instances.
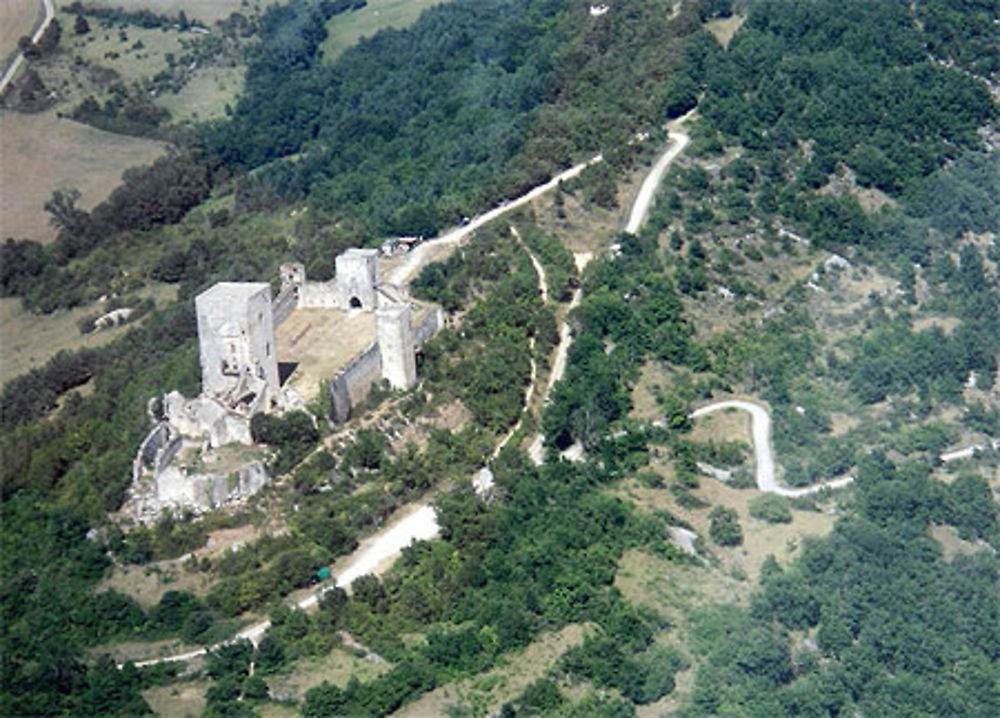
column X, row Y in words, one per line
column 408, row 133
column 404, row 134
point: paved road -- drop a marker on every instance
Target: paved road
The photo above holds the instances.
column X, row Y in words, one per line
column 50, row 13
column 760, row 430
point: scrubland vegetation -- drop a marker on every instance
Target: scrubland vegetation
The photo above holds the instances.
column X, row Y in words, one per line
column 790, row 137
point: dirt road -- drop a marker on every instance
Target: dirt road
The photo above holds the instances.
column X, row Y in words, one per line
column 640, row 208
column 760, row 430
column 431, row 250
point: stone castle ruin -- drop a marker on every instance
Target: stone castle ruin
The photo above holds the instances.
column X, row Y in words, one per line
column 327, row 340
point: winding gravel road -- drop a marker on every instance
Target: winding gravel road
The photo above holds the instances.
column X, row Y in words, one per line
column 640, row 208
column 760, row 431
column 425, row 253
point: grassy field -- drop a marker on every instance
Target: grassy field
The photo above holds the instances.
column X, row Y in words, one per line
column 177, row 700
column 206, row 11
column 345, row 30
column 99, row 46
column 337, row 667
column 206, row 95
column 29, row 340
column 42, row 153
column 17, row 18
column 724, row 29
column 486, row 693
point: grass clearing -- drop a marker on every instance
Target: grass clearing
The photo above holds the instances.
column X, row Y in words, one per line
column 485, row 693
column 42, row 153
column 759, row 537
column 147, row 584
column 337, row 667
column 672, row 589
column 579, row 226
column 952, row 545
column 675, row 592
column 644, row 405
column 347, row 29
column 277, row 710
column 206, row 95
column 724, row 29
column 177, row 700
column 29, row 340
column 206, row 11
column 720, row 426
column 105, row 46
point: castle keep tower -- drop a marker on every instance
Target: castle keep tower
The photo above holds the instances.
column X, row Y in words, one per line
column 395, row 341
column 236, row 342
column 356, row 278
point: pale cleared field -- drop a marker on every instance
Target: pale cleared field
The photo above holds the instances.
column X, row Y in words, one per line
column 17, row 18
column 206, row 95
column 721, row 426
column 724, row 29
column 759, row 537
column 207, row 11
column 177, row 700
column 29, row 340
column 346, row 29
column 41, row 153
column 337, row 667
column 131, row 65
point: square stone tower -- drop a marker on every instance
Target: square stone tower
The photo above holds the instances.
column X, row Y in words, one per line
column 356, row 278
column 236, row 340
column 293, row 274
column 395, row 343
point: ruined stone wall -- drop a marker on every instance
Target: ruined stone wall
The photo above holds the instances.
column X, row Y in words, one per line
column 319, row 295
column 352, row 384
column 155, row 440
column 427, row 328
column 284, row 304
column 177, row 490
column 168, row 452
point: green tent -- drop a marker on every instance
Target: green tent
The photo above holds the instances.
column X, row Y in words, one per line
column 323, row 574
